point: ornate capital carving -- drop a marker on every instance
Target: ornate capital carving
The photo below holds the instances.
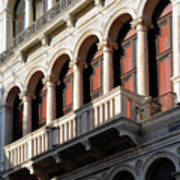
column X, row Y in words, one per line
column 107, row 44
column 50, row 78
column 78, row 63
column 26, row 96
column 138, row 24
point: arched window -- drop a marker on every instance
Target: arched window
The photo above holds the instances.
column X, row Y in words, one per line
column 125, row 58
column 40, row 8
column 160, row 48
column 39, row 106
column 92, row 75
column 161, row 169
column 19, row 17
column 17, row 119
column 64, row 91
column 124, row 175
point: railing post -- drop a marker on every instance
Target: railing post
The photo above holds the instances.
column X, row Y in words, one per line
column 118, row 104
column 51, row 4
column 30, row 149
column 28, row 13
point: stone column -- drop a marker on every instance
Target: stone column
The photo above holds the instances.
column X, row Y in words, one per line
column 142, row 57
column 77, row 83
column 50, row 82
column 28, row 13
column 108, row 79
column 27, row 112
column 51, row 4
column 176, row 46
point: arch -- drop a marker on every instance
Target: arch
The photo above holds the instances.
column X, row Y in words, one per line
column 62, row 53
column 11, row 93
column 31, row 73
column 122, row 15
column 92, row 32
column 122, row 168
column 160, row 169
column 160, row 155
column 36, row 88
column 160, row 55
column 147, row 9
column 13, row 123
column 64, row 89
column 8, row 90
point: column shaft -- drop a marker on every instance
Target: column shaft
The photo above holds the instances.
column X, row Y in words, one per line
column 176, row 46
column 77, row 86
column 27, row 114
column 50, row 101
column 142, row 61
column 108, row 79
column 51, row 4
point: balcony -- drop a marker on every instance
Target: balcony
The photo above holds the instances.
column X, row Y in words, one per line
column 114, row 112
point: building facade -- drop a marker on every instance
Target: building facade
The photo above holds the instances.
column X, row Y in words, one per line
column 90, row 89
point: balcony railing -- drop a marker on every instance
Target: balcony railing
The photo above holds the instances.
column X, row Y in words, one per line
column 60, row 7
column 116, row 104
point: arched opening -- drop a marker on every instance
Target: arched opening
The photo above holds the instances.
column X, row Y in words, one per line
column 19, row 17
column 64, row 91
column 64, row 88
column 38, row 90
column 161, row 169
column 92, row 70
column 125, row 175
column 40, row 7
column 160, row 56
column 124, row 57
column 15, row 116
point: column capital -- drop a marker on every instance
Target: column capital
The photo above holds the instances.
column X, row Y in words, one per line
column 26, row 96
column 50, row 78
column 78, row 63
column 108, row 44
column 138, row 24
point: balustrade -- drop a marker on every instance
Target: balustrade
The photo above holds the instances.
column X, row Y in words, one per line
column 114, row 105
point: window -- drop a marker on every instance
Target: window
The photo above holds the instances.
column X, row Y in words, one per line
column 92, row 75
column 19, row 17
column 160, row 39
column 40, row 8
column 125, row 59
column 64, row 91
column 161, row 169
column 17, row 119
column 39, row 106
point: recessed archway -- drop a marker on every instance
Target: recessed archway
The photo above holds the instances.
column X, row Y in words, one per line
column 38, row 91
column 64, row 89
column 92, row 61
column 14, row 110
column 161, row 169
